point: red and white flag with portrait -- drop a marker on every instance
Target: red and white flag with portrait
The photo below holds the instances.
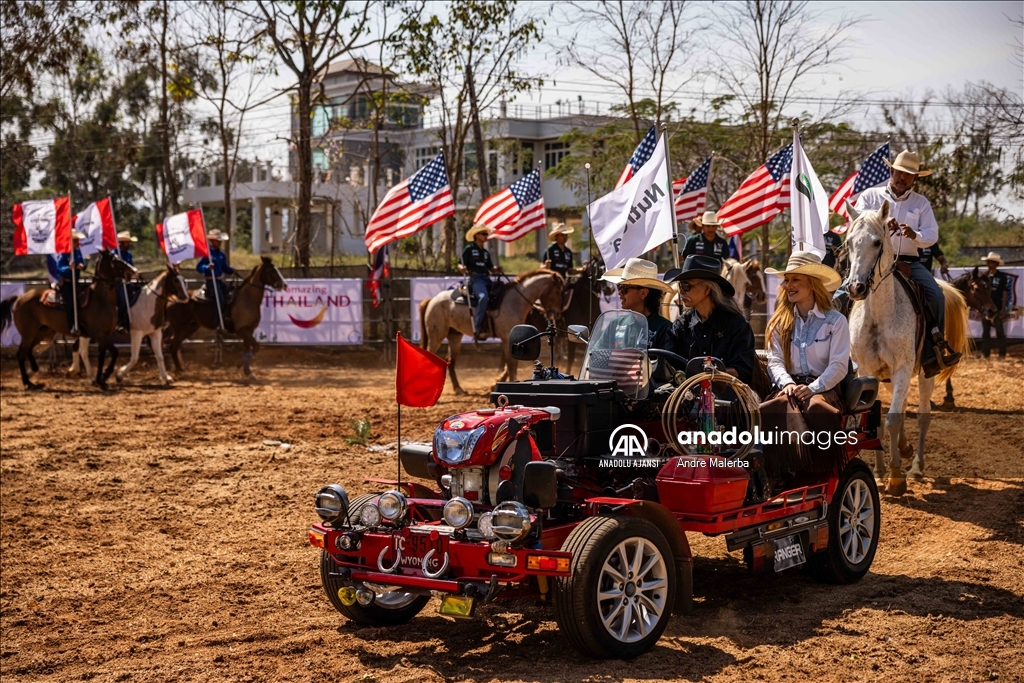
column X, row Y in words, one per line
column 42, row 227
column 183, row 236
column 96, row 222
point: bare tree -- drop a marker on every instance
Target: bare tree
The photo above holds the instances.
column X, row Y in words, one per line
column 766, row 51
column 307, row 37
column 640, row 48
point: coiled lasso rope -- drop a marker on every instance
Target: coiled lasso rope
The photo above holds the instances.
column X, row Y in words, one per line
column 748, row 401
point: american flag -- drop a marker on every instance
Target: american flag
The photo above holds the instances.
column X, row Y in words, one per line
column 873, row 172
column 381, row 269
column 516, row 210
column 640, row 156
column 418, row 201
column 621, row 365
column 761, row 197
column 691, row 193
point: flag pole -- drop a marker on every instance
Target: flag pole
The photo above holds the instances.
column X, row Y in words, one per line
column 124, row 285
column 398, row 452
column 209, row 256
column 590, row 249
column 672, row 203
column 795, row 122
column 74, row 272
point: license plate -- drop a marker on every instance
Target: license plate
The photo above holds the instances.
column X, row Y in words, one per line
column 789, row 553
column 415, row 547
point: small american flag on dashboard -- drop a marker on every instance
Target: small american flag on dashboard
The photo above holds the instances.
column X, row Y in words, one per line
column 621, row 365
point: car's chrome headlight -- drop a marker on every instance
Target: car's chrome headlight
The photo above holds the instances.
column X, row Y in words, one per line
column 392, row 506
column 369, row 515
column 453, row 446
column 332, row 504
column 458, row 512
column 510, row 521
column 485, row 525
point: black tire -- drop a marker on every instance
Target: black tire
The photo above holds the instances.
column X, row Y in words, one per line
column 356, row 504
column 401, row 606
column 851, row 548
column 594, row 546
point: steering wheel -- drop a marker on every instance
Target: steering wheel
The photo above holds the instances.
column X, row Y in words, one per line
column 670, row 363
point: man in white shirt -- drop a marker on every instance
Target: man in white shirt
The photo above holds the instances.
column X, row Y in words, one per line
column 913, row 227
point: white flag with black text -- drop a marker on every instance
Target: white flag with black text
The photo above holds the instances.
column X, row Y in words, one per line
column 636, row 217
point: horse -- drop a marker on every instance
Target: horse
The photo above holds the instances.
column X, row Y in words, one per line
column 745, row 278
column 147, row 320
column 884, row 337
column 977, row 292
column 185, row 318
column 97, row 319
column 441, row 317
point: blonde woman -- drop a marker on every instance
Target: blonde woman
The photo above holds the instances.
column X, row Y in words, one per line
column 808, row 355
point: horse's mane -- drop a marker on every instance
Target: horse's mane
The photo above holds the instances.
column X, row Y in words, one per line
column 537, row 271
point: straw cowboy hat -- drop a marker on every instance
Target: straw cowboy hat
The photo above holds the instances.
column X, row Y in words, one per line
column 475, row 230
column 993, row 256
column 76, row 235
column 709, row 218
column 698, row 267
column 125, row 236
column 559, row 229
column 639, row 272
column 908, row 162
column 808, row 263
column 216, row 235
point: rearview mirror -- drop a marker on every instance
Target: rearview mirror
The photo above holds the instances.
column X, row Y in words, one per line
column 524, row 343
column 579, row 334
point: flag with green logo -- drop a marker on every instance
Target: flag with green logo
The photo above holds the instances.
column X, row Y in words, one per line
column 808, row 203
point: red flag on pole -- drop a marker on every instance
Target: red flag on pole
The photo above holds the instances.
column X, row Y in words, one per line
column 419, row 376
column 96, row 222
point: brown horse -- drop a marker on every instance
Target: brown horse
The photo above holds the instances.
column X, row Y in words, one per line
column 243, row 313
column 977, row 292
column 37, row 322
column 440, row 317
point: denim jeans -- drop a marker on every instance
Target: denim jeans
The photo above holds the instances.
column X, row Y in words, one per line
column 480, row 286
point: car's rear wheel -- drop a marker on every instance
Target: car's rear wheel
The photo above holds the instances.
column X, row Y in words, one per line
column 854, row 523
column 619, row 598
column 390, row 607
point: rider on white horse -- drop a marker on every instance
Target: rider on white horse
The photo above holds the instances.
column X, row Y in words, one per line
column 912, row 226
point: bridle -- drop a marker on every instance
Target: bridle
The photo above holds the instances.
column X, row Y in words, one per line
column 872, row 287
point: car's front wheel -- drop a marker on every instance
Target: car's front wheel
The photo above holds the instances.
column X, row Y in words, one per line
column 619, row 598
column 390, row 607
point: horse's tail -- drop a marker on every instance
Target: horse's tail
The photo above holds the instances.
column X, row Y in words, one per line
column 7, row 312
column 423, row 322
column 956, row 331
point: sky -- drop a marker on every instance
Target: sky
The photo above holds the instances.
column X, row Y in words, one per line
column 900, row 49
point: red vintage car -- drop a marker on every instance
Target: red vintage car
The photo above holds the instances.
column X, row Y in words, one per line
column 579, row 491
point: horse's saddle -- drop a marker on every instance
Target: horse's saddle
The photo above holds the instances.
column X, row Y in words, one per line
column 53, row 299
column 463, row 295
column 203, row 296
column 922, row 309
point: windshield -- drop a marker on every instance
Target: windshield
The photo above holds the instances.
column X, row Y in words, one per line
column 618, row 351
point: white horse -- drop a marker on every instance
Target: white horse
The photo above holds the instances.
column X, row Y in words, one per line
column 884, row 339
column 441, row 318
column 147, row 316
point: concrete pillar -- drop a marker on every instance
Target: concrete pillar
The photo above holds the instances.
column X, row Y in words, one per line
column 257, row 226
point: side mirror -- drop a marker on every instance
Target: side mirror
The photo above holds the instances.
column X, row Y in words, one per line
column 523, row 343
column 579, row 334
column 540, row 484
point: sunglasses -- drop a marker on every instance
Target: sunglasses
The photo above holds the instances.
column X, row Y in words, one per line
column 625, row 288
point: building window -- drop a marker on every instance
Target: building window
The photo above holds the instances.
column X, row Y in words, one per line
column 424, row 155
column 525, row 157
column 554, row 152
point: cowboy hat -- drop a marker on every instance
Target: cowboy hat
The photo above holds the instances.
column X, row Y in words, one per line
column 125, row 236
column 475, row 230
column 639, row 272
column 559, row 229
column 216, row 235
column 709, row 218
column 696, row 225
column 908, row 162
column 993, row 256
column 808, row 263
column 697, row 267
column 76, row 235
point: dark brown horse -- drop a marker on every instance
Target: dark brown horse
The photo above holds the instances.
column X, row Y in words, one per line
column 243, row 313
column 977, row 292
column 37, row 322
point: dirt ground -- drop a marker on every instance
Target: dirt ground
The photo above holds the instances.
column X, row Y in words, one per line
column 151, row 535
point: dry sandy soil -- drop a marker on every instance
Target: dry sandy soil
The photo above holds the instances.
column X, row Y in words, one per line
column 150, row 535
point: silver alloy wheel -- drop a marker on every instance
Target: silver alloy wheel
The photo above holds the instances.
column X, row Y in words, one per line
column 632, row 591
column 390, row 597
column 856, row 522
